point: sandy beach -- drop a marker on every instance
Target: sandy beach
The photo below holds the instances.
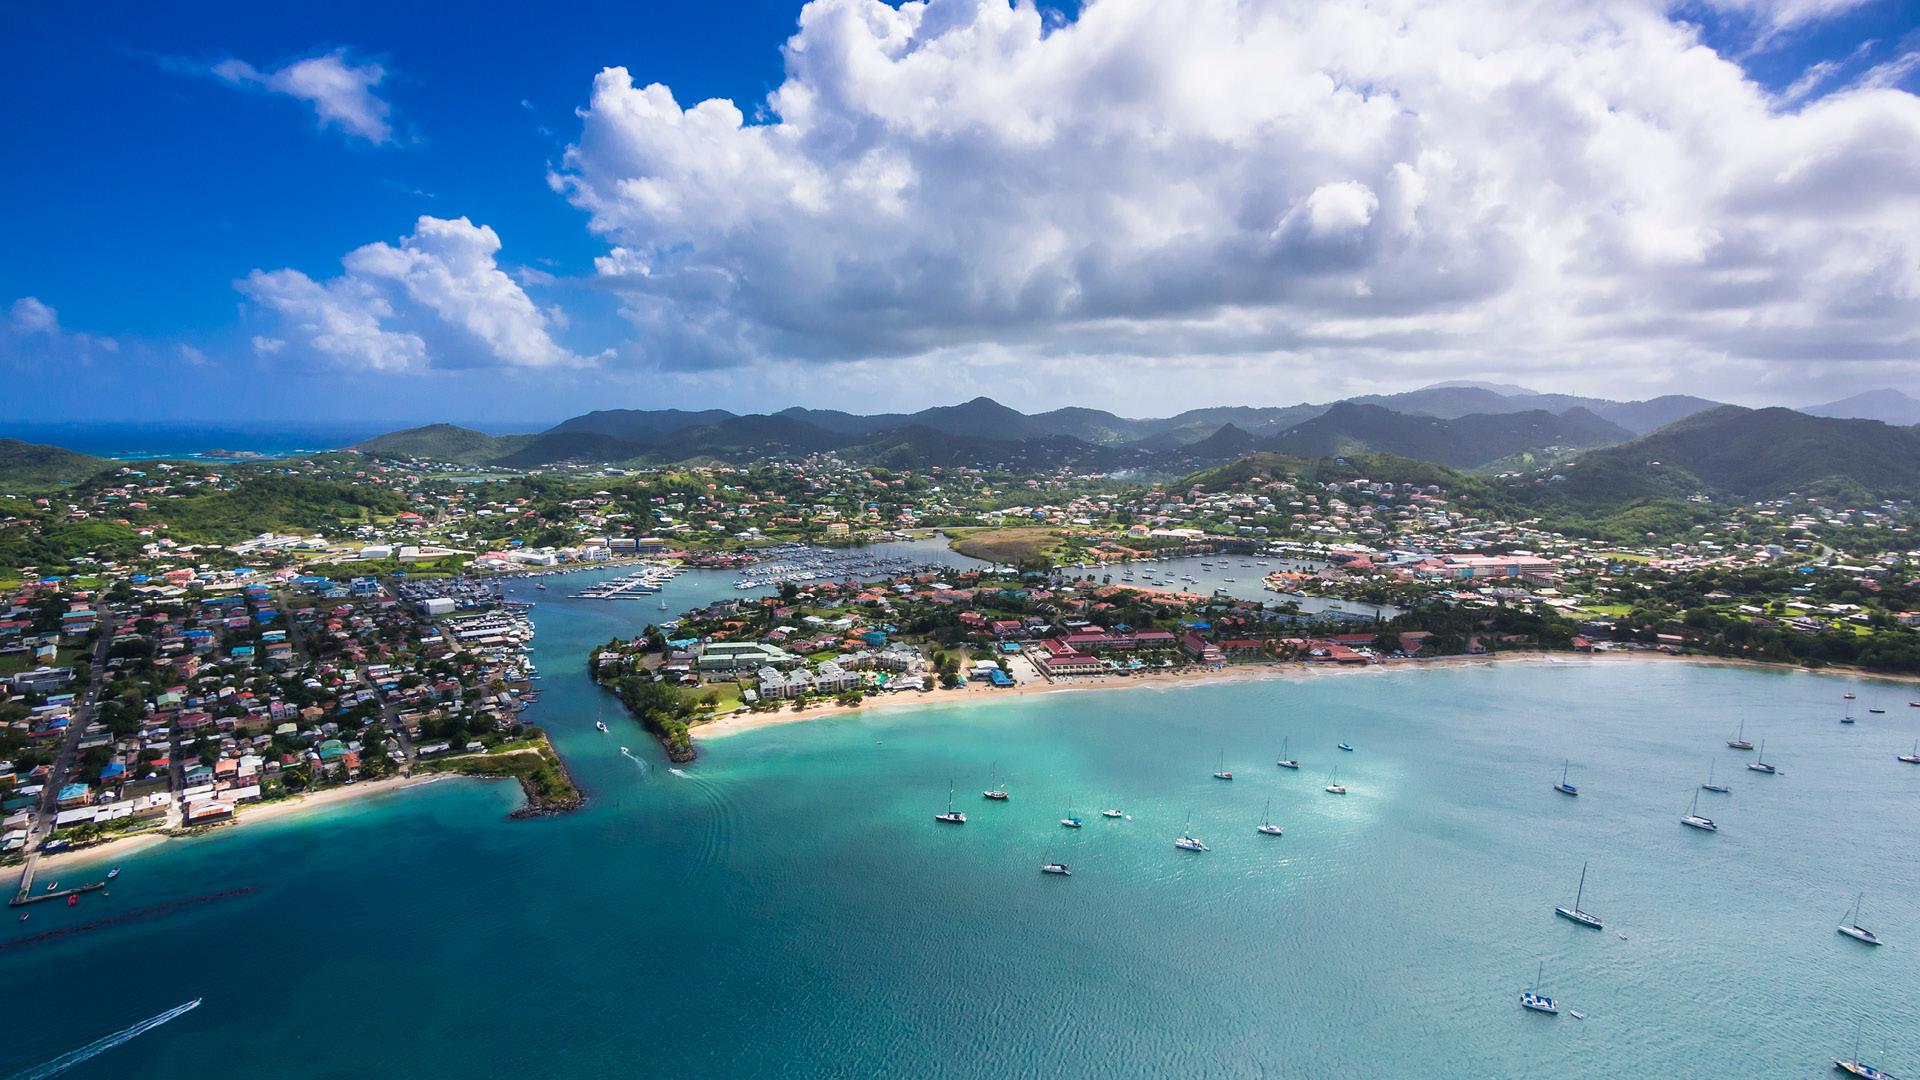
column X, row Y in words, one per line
column 125, row 845
column 736, row 723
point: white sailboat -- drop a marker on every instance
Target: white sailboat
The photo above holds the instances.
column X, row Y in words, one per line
column 1187, row 841
column 1739, row 741
column 952, row 816
column 1334, row 787
column 1913, row 758
column 1852, row 928
column 1760, row 765
column 1286, row 762
column 1223, row 774
column 1266, row 826
column 1563, row 787
column 1574, row 913
column 1695, row 821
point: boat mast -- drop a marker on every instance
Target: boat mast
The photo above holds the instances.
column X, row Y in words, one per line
column 1581, row 891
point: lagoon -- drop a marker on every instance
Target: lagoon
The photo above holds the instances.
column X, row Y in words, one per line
column 787, row 905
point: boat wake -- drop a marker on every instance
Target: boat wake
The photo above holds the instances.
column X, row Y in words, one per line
column 679, row 773
column 100, row 1046
column 628, row 754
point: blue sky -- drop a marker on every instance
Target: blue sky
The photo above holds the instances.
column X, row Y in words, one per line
column 936, row 205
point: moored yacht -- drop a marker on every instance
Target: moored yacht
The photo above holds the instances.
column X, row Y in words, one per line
column 1761, row 765
column 1334, row 787
column 1718, row 789
column 1913, row 758
column 1852, row 928
column 994, row 790
column 1563, row 787
column 1348, row 747
column 1223, row 774
column 1695, row 821
column 1266, row 826
column 1187, row 841
column 1739, row 741
column 1055, row 868
column 1285, row 761
column 952, row 816
column 1537, row 1001
column 1574, row 913
column 1112, row 813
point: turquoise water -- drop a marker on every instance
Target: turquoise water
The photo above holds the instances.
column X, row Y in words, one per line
column 789, row 907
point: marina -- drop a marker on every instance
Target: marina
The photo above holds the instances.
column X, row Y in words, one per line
column 632, row 586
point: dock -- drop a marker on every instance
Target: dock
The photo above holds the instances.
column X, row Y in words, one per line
column 26, row 895
column 631, row 586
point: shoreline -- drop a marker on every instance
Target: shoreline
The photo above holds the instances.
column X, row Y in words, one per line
column 279, row 808
column 738, row 723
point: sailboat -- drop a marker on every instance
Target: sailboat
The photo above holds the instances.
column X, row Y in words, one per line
column 1223, row 774
column 994, row 790
column 952, row 816
column 1719, row 789
column 1072, row 820
column 1286, row 762
column 1847, row 717
column 1739, row 741
column 1852, row 928
column 1051, row 867
column 1187, row 841
column 1574, row 913
column 1760, row 765
column 1266, row 826
column 1853, row 1066
column 1333, row 787
column 1694, row 820
column 1913, row 758
column 1563, row 787
column 1537, row 1001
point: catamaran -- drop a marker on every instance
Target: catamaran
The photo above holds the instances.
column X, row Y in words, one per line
column 1913, row 758
column 994, row 790
column 1563, row 787
column 1719, row 789
column 1266, row 826
column 1223, row 774
column 1694, row 820
column 1760, row 765
column 952, row 816
column 1286, row 762
column 1537, row 1001
column 1333, row 786
column 1739, row 741
column 1852, row 927
column 1574, row 913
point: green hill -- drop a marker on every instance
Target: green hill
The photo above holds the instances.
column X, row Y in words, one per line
column 1761, row 454
column 443, row 442
column 28, row 466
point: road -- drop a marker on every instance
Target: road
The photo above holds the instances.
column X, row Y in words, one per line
column 69, row 749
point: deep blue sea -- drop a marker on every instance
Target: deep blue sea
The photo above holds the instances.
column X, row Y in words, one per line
column 143, row 441
column 787, row 906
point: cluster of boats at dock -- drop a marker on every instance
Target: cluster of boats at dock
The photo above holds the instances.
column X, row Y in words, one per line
column 644, row 581
column 800, row 563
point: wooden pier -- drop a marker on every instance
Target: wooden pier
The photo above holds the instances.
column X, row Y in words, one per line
column 24, row 898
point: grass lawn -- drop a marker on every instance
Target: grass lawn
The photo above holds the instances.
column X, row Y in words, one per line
column 1613, row 610
column 1008, row 545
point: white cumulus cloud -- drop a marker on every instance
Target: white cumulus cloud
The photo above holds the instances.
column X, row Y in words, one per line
column 341, row 91
column 33, row 334
column 436, row 299
column 1394, row 187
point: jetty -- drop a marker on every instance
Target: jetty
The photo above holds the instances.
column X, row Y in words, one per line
column 644, row 582
column 26, row 895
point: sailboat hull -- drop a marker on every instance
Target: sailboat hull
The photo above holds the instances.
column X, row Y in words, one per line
column 1577, row 916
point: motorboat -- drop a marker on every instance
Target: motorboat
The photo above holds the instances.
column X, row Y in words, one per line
column 600, row 724
column 1348, row 747
column 1112, row 814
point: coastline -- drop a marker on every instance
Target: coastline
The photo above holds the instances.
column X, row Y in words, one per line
column 738, row 723
column 124, row 845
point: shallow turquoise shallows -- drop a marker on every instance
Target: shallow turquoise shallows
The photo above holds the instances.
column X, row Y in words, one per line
column 788, row 906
